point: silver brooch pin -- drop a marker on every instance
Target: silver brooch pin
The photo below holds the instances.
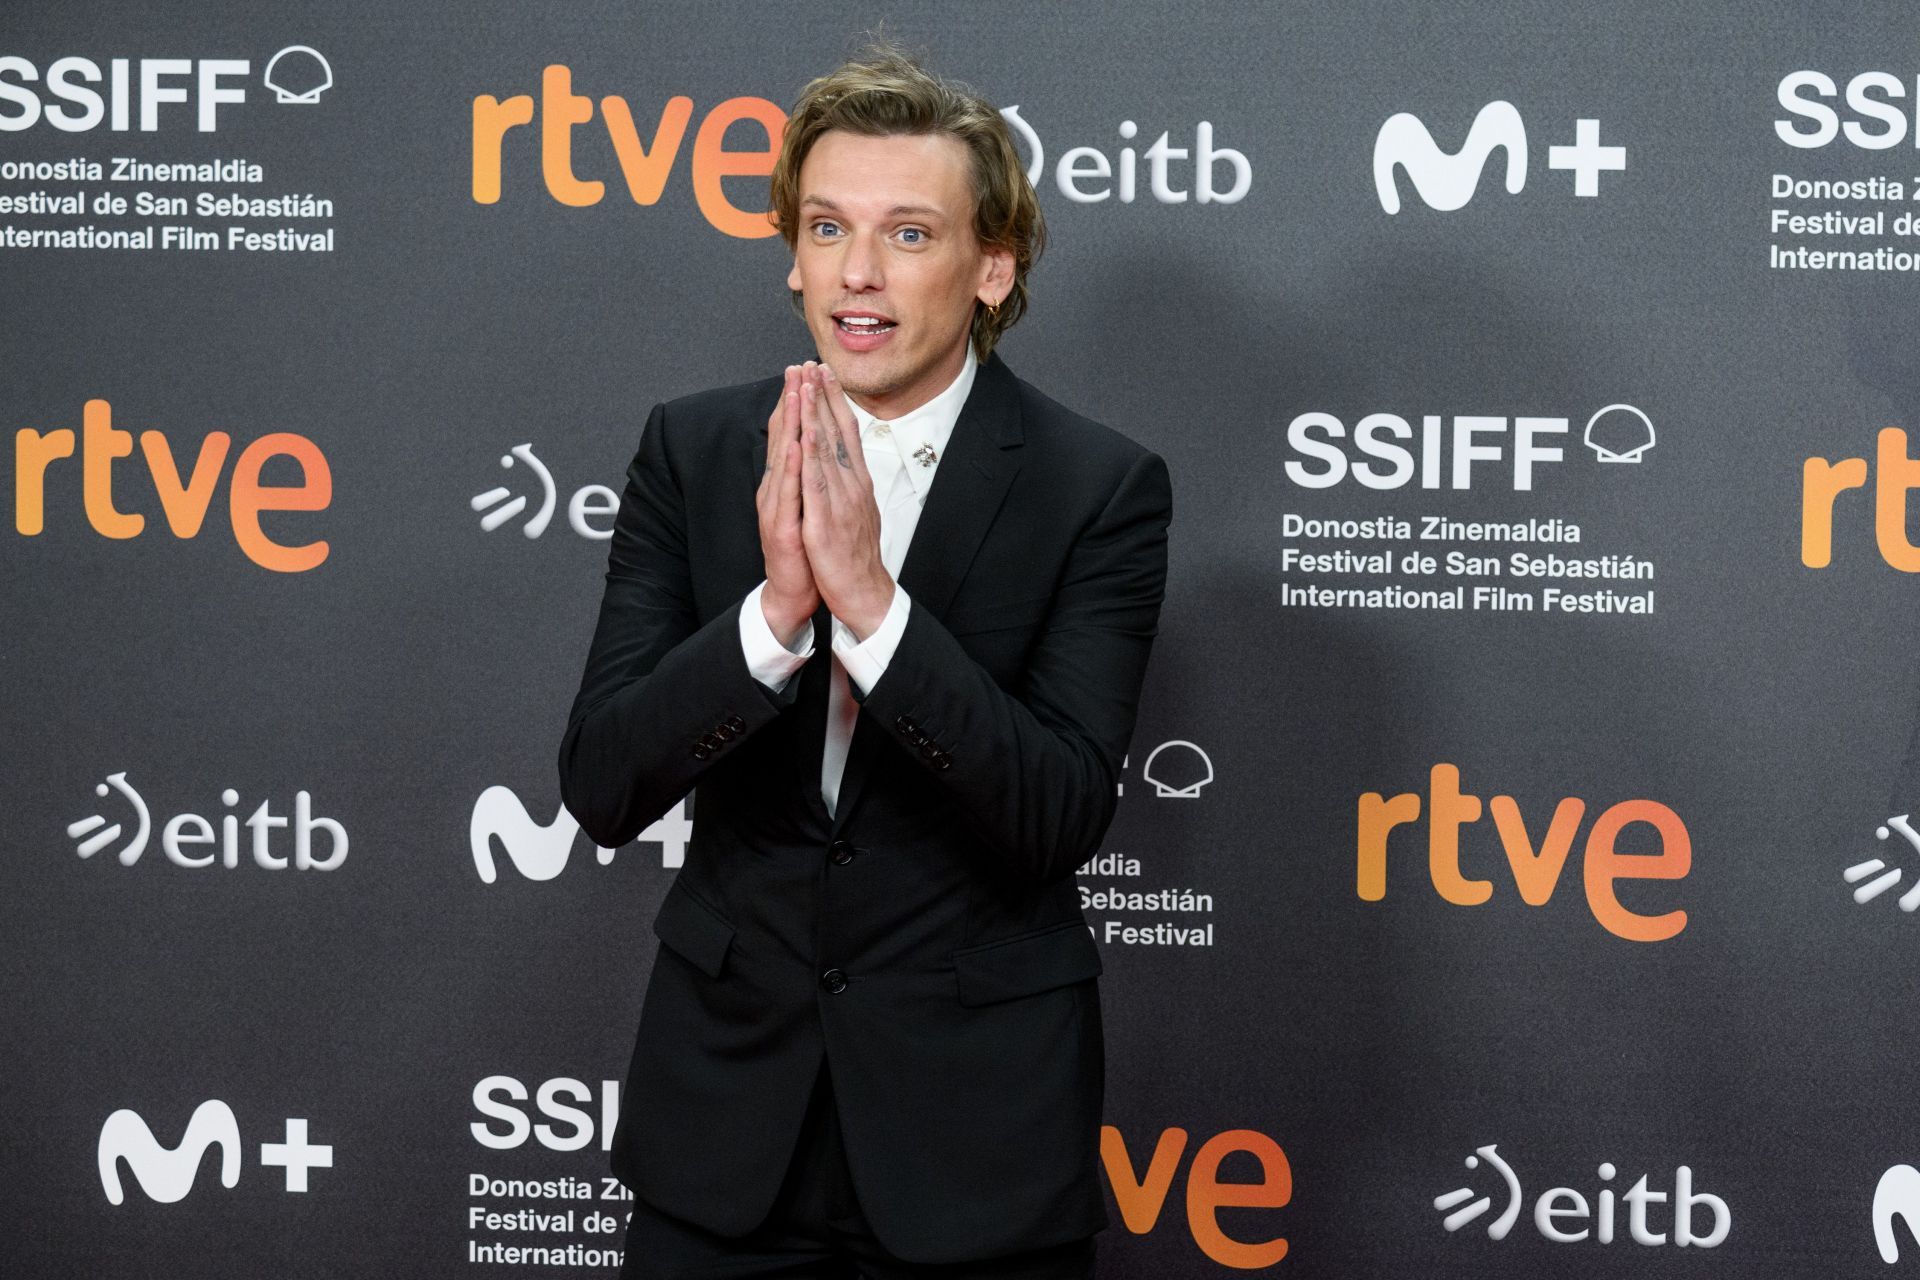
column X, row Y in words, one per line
column 926, row 455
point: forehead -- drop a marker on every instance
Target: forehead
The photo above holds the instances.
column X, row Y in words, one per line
column 861, row 174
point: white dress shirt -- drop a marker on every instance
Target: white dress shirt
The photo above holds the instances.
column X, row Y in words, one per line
column 900, row 485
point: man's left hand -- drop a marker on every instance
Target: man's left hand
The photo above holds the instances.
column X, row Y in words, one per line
column 840, row 522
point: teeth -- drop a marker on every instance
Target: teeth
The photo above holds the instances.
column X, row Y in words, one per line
column 863, row 322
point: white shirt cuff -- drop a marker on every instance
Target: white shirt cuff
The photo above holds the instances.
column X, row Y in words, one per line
column 769, row 660
column 867, row 660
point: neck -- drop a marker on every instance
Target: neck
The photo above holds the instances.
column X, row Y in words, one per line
column 888, row 408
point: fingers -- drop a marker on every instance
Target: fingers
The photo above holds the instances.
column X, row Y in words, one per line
column 846, row 427
column 814, row 461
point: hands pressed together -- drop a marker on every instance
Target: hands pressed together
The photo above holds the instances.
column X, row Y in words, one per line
column 819, row 522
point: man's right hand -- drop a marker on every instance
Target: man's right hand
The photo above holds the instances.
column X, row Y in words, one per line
column 790, row 597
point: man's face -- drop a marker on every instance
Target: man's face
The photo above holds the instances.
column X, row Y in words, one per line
column 888, row 264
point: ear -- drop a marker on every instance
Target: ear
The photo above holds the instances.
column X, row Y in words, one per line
column 996, row 274
column 793, row 276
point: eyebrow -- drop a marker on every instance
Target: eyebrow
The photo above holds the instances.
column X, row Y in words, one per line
column 898, row 211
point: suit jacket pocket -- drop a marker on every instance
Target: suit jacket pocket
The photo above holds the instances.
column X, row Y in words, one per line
column 695, row 931
column 1026, row 965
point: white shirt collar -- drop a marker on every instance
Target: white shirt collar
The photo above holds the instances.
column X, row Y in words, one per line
column 927, row 428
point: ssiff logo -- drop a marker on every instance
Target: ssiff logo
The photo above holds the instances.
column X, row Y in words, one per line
column 540, row 851
column 1560, row 1210
column 166, row 1174
column 1536, row 868
column 296, row 74
column 1447, row 181
column 185, row 831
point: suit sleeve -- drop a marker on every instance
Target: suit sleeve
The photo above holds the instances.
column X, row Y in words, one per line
column 1035, row 773
column 663, row 697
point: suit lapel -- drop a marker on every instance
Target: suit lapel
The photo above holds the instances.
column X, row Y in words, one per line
column 981, row 461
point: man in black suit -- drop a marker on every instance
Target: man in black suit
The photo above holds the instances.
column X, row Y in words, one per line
column 872, row 1035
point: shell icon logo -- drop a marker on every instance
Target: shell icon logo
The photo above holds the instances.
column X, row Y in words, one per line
column 298, row 74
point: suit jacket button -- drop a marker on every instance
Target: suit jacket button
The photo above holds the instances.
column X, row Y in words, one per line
column 904, row 724
column 929, row 749
column 710, row 742
column 700, row 751
column 942, row 760
column 834, row 981
column 724, row 732
column 736, row 724
column 841, row 852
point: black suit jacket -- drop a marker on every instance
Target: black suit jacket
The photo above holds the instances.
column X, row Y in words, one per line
column 962, row 1023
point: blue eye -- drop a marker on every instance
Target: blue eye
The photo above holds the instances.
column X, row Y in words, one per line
column 913, row 235
column 826, row 228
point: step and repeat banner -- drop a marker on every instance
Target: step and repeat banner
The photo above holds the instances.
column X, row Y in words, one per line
column 1514, row 872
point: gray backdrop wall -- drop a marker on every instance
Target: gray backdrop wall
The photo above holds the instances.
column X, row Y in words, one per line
column 1511, row 876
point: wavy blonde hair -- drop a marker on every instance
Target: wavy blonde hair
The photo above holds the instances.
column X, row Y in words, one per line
column 884, row 92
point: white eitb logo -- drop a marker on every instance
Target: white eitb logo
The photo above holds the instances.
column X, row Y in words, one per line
column 499, row 505
column 1560, row 1208
column 166, row 1174
column 1883, row 877
column 1447, row 181
column 183, row 832
column 539, row 851
column 1087, row 175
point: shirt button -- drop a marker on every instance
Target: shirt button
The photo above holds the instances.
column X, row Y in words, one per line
column 882, row 429
column 834, row 981
column 841, row 852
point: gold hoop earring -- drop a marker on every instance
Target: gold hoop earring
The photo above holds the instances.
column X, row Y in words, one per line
column 993, row 310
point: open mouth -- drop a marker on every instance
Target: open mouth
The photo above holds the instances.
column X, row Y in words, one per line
column 860, row 324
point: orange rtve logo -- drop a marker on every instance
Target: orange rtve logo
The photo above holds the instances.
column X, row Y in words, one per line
column 1821, row 482
column 1141, row 1198
column 185, row 503
column 645, row 166
column 1534, row 873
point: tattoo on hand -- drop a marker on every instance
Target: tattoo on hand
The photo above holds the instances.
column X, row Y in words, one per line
column 840, row 454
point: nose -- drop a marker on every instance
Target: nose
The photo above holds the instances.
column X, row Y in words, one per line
column 861, row 268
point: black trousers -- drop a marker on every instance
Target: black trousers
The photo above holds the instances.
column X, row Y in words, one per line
column 816, row 1230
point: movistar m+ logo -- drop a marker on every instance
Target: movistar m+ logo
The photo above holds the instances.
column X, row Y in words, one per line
column 1447, row 180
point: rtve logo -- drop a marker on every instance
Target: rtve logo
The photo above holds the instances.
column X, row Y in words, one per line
column 185, row 503
column 1894, row 474
column 1535, row 871
column 1448, row 181
column 296, row 74
column 1558, row 1210
column 540, row 852
column 166, row 1174
column 1800, row 93
column 1141, row 1198
column 645, row 165
column 1084, row 175
column 500, row 504
column 95, row 832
